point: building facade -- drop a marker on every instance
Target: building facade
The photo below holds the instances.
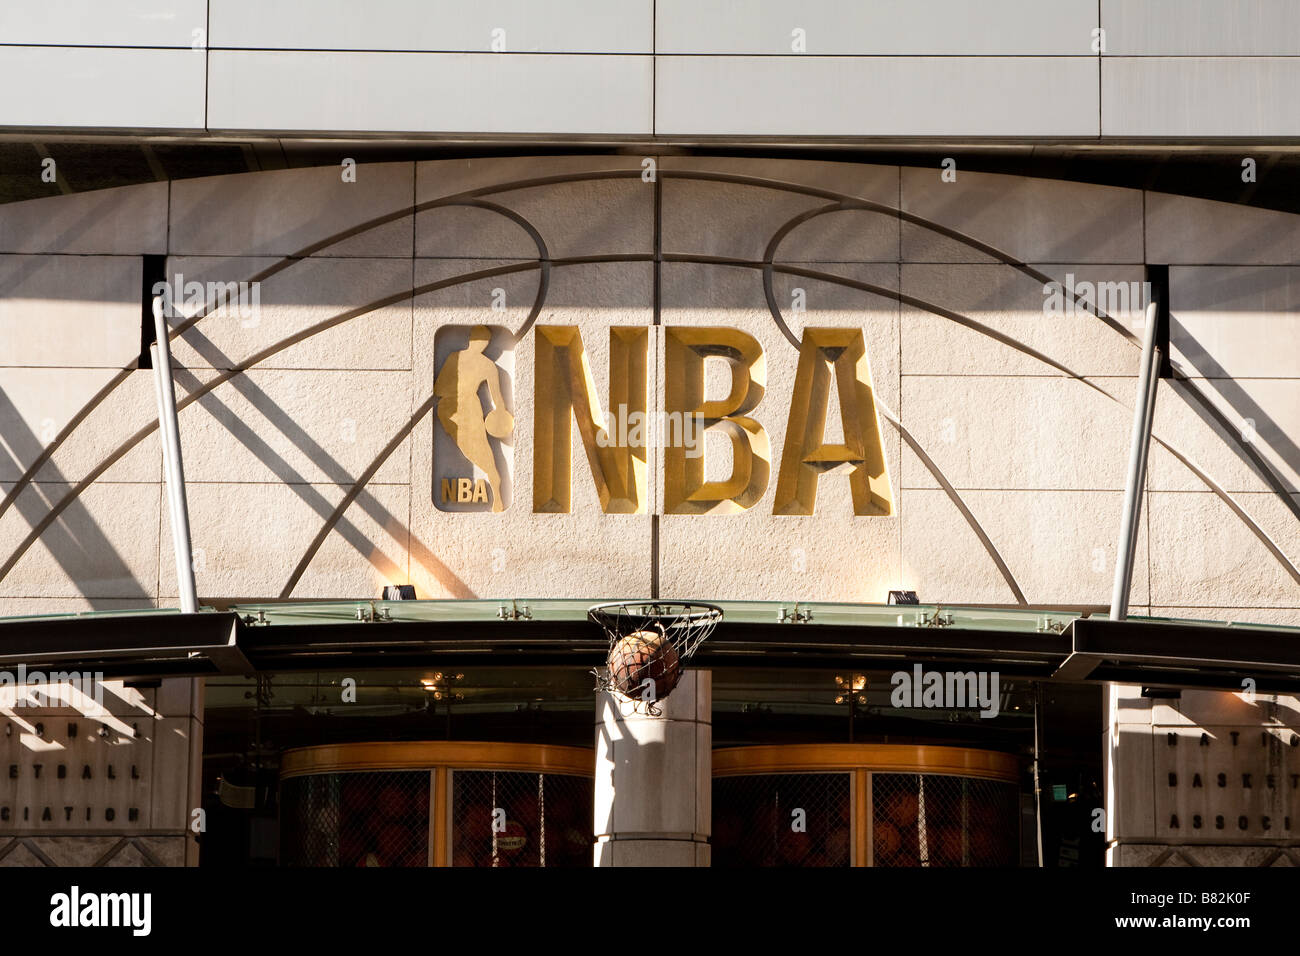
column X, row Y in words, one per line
column 538, row 309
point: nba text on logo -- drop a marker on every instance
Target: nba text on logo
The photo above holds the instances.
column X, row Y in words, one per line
column 475, row 434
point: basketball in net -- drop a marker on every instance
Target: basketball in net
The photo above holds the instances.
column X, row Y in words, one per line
column 644, row 666
column 650, row 643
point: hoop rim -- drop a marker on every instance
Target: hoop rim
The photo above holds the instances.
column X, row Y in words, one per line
column 610, row 611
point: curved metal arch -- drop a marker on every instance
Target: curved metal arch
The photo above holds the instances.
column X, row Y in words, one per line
column 969, row 323
column 468, row 197
column 840, row 201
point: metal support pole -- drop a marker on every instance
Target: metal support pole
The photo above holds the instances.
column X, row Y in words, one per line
column 1139, row 447
column 1038, row 790
column 173, row 469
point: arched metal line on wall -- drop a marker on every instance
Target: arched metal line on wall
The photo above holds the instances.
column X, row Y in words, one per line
column 543, row 256
column 525, row 266
column 969, row 323
column 1194, row 395
column 1206, row 407
column 467, row 198
column 243, row 366
column 357, row 487
column 956, row 499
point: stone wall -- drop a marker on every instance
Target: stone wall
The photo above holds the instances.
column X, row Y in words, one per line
column 309, row 440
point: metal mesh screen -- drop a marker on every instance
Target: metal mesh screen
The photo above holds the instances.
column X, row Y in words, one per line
column 939, row 820
column 355, row 819
column 520, row 819
column 782, row 820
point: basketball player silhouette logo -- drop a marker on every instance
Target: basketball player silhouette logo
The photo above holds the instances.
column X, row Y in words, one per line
column 461, row 411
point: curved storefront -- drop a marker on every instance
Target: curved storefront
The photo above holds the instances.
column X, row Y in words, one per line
column 436, row 804
column 865, row 805
column 488, row 804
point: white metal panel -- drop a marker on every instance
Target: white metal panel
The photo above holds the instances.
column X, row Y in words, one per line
column 876, row 96
column 1200, row 96
column 430, row 92
column 878, row 27
column 103, row 22
column 87, row 87
column 527, row 26
column 1201, row 27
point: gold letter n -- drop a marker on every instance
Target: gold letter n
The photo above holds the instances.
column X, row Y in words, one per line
column 563, row 392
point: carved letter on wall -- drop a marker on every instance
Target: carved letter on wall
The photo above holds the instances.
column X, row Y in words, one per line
column 841, row 353
column 685, row 490
column 565, row 391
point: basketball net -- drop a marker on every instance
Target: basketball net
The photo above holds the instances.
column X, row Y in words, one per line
column 650, row 643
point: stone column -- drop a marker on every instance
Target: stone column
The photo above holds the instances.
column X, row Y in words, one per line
column 1207, row 778
column 654, row 778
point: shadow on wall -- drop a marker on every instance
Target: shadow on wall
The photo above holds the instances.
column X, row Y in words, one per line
column 76, row 541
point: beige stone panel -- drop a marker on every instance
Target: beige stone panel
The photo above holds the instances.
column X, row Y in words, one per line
column 472, row 297
column 248, row 539
column 127, row 856
column 298, row 426
column 63, row 851
column 1059, row 546
column 941, row 558
column 1235, row 322
column 169, row 851
column 1204, row 555
column 173, row 745
column 283, row 211
column 1131, row 708
column 516, row 553
column 592, row 217
column 1124, row 704
column 1273, row 616
column 368, row 548
column 702, row 217
column 103, row 545
column 854, row 180
column 288, row 304
column 755, row 554
column 1033, row 220
column 1263, row 412
column 125, row 221
column 1146, row 855
column 1186, row 230
column 1132, row 757
column 1251, row 710
column 36, row 404
column 441, row 178
column 70, row 310
column 1014, row 305
column 130, row 407
column 180, row 697
column 1016, row 433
